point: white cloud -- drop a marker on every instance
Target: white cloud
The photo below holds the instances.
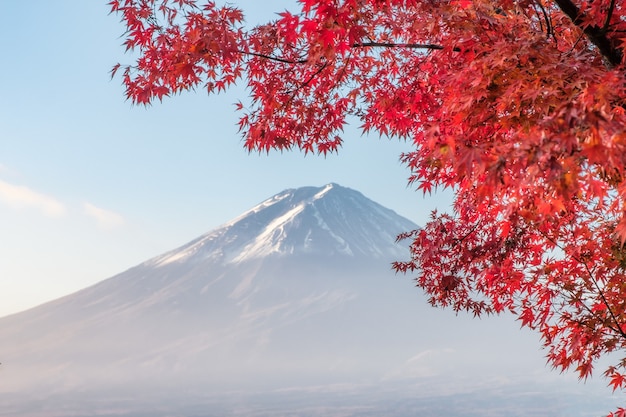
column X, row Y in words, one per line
column 106, row 219
column 18, row 196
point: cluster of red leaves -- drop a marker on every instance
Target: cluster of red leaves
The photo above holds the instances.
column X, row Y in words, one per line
column 516, row 105
column 620, row 412
column 181, row 46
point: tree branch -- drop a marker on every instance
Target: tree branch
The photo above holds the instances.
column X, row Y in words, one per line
column 355, row 45
column 617, row 328
column 275, row 58
column 595, row 34
column 609, row 15
column 397, row 45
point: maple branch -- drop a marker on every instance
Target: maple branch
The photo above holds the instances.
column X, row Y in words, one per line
column 274, row 58
column 546, row 18
column 399, row 45
column 354, row 45
column 609, row 14
column 606, row 303
column 307, row 82
column 617, row 328
column 595, row 34
column 473, row 229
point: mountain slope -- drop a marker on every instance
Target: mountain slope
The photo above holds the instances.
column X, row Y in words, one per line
column 296, row 291
column 304, row 262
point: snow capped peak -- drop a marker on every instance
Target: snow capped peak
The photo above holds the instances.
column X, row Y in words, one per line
column 325, row 190
column 329, row 220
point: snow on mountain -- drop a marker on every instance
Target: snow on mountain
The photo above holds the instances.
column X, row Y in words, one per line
column 329, row 220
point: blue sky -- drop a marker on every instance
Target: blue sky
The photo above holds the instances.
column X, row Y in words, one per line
column 91, row 185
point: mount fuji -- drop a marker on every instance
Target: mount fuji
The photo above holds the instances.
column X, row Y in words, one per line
column 296, row 292
column 277, row 284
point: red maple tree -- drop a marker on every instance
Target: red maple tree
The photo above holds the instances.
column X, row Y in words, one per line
column 518, row 106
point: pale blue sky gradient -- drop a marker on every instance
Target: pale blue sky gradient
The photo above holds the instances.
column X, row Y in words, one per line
column 91, row 185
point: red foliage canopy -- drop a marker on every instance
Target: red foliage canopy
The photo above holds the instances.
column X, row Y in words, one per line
column 516, row 105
